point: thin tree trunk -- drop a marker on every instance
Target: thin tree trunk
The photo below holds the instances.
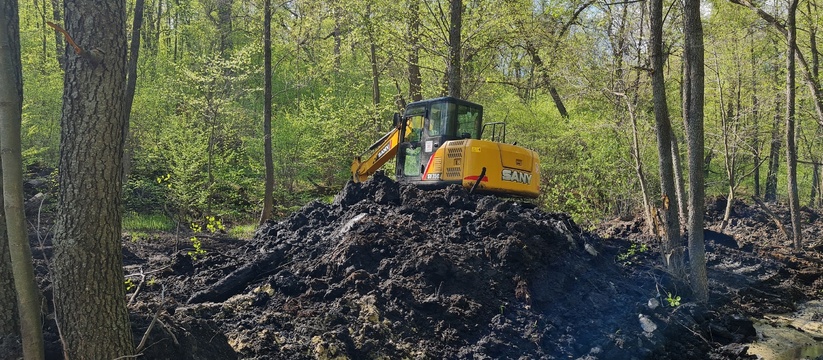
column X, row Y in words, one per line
column 455, row 29
column 413, row 36
column 58, row 38
column 755, row 125
column 693, row 53
column 770, row 194
column 791, row 149
column 672, row 249
column 11, row 112
column 224, row 26
column 87, row 266
column 9, row 320
column 131, row 84
column 268, row 197
column 679, row 184
column 638, row 169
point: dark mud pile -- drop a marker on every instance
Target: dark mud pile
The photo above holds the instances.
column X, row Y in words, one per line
column 388, row 271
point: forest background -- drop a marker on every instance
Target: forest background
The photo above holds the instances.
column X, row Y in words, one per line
column 571, row 78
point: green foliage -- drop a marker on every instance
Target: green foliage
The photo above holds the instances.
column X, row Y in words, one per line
column 197, row 248
column 129, row 284
column 245, row 231
column 631, row 252
column 139, row 222
column 673, row 301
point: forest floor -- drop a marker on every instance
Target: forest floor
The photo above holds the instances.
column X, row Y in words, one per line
column 388, row 271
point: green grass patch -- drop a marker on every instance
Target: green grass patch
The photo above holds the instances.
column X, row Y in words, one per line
column 242, row 231
column 136, row 222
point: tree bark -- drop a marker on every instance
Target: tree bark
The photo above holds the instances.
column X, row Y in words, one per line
column 224, row 26
column 791, row 148
column 679, row 185
column 9, row 324
column 413, row 37
column 57, row 16
column 268, row 196
column 770, row 194
column 87, row 266
column 755, row 144
column 131, row 84
column 672, row 250
column 455, row 29
column 19, row 252
column 693, row 53
column 638, row 169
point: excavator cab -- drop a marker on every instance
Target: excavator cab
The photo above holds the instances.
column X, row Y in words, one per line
column 430, row 124
column 438, row 142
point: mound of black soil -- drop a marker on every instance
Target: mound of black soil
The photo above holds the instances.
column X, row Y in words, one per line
column 391, row 271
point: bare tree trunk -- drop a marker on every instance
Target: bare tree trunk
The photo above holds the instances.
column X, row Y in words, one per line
column 224, row 26
column 87, row 266
column 268, row 196
column 455, row 29
column 11, row 116
column 791, row 149
column 672, row 249
column 755, row 144
column 9, row 321
column 413, row 37
column 131, row 84
column 770, row 194
column 638, row 169
column 679, row 185
column 58, row 38
column 693, row 53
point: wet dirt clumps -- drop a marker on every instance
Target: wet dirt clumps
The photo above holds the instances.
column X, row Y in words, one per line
column 390, row 271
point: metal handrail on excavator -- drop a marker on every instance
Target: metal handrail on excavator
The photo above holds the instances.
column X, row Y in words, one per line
column 496, row 136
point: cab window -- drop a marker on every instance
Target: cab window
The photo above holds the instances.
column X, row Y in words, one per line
column 415, row 124
column 467, row 122
column 439, row 115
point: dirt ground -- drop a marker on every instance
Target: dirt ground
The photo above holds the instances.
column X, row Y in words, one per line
column 388, row 271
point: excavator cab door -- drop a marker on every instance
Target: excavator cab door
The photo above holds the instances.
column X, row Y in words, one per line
column 408, row 153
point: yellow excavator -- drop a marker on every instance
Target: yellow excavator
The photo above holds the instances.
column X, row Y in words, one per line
column 438, row 142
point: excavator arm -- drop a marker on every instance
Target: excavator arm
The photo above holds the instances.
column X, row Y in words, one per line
column 381, row 151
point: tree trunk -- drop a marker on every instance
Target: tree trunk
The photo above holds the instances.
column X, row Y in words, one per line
column 9, row 324
column 693, row 53
column 755, row 144
column 770, row 194
column 58, row 37
column 268, row 196
column 87, row 266
column 679, row 185
column 544, row 80
column 413, row 36
column 791, row 149
column 455, row 29
column 11, row 108
column 672, row 250
column 224, row 26
column 558, row 102
column 131, row 84
column 638, row 169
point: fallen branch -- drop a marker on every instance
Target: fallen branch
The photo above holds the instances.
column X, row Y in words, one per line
column 237, row 280
column 772, row 215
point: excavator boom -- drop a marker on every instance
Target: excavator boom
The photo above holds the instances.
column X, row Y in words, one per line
column 381, row 151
